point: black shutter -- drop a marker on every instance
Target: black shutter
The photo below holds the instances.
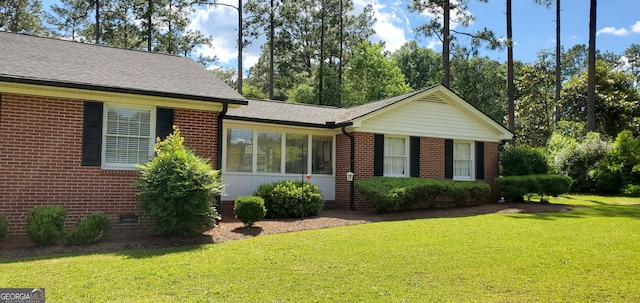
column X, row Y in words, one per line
column 448, row 158
column 92, row 134
column 414, row 156
column 378, row 155
column 480, row 160
column 164, row 122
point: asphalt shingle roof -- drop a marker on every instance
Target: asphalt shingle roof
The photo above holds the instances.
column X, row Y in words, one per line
column 297, row 113
column 32, row 59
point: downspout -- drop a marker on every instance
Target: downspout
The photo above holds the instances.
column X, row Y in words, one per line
column 225, row 107
column 351, row 167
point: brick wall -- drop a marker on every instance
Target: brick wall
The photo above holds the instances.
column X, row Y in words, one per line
column 40, row 161
column 431, row 165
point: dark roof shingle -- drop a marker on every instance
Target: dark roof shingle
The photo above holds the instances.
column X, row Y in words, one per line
column 32, row 59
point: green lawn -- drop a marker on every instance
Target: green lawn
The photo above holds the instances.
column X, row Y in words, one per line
column 588, row 254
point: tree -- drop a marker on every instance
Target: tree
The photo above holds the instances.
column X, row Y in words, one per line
column 617, row 103
column 591, row 91
column 22, row 16
column 535, row 106
column 482, row 82
column 371, row 75
column 421, row 66
column 632, row 55
column 71, row 18
column 440, row 27
column 307, row 45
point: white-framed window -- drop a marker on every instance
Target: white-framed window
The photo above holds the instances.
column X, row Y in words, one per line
column 128, row 136
column 463, row 160
column 278, row 152
column 396, row 156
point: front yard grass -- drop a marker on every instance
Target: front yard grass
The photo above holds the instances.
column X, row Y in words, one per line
column 586, row 254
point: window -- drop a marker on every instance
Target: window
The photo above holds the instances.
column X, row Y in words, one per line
column 395, row 156
column 269, row 152
column 278, row 152
column 239, row 150
column 297, row 154
column 321, row 155
column 462, row 160
column 128, row 136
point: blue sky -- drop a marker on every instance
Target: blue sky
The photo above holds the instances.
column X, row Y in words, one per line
column 533, row 28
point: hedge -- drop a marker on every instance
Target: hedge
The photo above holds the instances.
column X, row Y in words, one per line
column 514, row 188
column 393, row 194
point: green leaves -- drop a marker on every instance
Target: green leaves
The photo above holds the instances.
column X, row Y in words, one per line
column 176, row 188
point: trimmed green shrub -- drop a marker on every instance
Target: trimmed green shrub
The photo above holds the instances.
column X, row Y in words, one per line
column 89, row 230
column 392, row 194
column 521, row 161
column 177, row 188
column 249, row 209
column 3, row 227
column 290, row 199
column 45, row 224
column 514, row 188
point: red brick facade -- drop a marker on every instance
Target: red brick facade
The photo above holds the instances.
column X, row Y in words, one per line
column 432, row 165
column 40, row 160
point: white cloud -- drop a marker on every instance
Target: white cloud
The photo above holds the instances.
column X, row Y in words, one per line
column 636, row 27
column 613, row 31
column 385, row 26
column 435, row 44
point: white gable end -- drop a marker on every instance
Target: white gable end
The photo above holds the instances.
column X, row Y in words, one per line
column 430, row 116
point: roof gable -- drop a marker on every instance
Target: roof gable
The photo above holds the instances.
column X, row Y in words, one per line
column 53, row 62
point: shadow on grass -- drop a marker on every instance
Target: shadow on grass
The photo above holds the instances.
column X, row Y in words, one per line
column 602, row 210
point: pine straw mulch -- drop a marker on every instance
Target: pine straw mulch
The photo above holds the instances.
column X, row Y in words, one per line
column 231, row 229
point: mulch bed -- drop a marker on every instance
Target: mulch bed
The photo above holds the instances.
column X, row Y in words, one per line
column 231, row 229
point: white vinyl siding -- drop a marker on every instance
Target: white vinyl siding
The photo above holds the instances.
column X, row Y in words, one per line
column 395, row 156
column 462, row 160
column 430, row 117
column 128, row 136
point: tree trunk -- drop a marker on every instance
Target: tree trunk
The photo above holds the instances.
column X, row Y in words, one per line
column 271, row 48
column 340, row 55
column 558, row 64
column 97, row 22
column 445, row 43
column 321, row 71
column 240, row 45
column 510, row 75
column 591, row 74
column 149, row 33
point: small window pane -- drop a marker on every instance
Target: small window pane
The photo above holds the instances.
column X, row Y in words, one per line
column 296, row 157
column 395, row 156
column 239, row 150
column 269, row 152
column 462, row 161
column 321, row 155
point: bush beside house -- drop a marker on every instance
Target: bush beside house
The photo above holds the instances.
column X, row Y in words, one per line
column 249, row 209
column 89, row 230
column 392, row 194
column 177, row 188
column 45, row 224
column 290, row 199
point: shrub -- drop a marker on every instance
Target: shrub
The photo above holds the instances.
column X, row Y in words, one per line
column 620, row 167
column 249, row 209
column 177, row 187
column 514, row 188
column 290, row 199
column 45, row 224
column 628, row 190
column 89, row 230
column 392, row 194
column 580, row 161
column 3, row 227
column 520, row 161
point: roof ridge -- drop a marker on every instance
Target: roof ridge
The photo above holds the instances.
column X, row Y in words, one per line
column 297, row 103
column 90, row 44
